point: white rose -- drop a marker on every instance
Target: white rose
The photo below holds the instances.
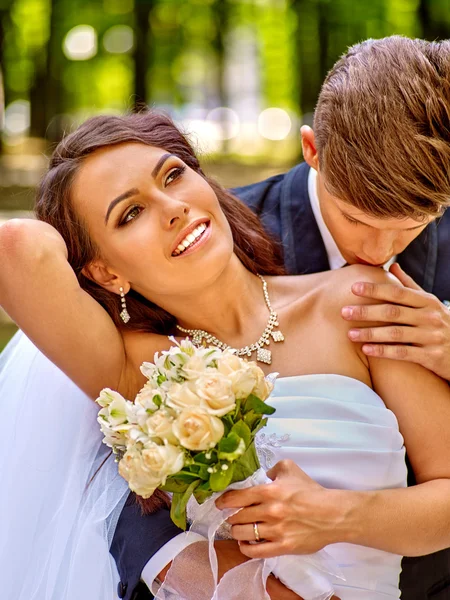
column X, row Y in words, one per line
column 182, row 395
column 148, row 467
column 242, row 378
column 133, row 470
column 163, row 461
column 216, row 392
column 160, row 424
column 195, row 366
column 197, row 430
column 263, row 388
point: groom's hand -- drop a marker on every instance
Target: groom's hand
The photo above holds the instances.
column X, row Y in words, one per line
column 419, row 323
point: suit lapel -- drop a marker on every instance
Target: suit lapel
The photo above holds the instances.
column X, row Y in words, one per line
column 419, row 260
column 304, row 250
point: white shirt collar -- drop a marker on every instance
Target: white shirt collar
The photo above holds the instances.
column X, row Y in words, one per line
column 335, row 258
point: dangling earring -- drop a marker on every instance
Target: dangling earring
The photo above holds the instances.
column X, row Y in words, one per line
column 124, row 314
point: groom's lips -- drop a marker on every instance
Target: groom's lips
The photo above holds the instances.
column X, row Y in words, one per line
column 364, row 262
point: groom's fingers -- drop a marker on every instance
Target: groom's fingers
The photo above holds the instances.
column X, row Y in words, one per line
column 396, row 352
column 392, row 334
column 391, row 292
column 384, row 313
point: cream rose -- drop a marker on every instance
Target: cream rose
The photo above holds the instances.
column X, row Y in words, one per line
column 262, row 387
column 183, row 395
column 160, row 424
column 146, row 396
column 215, row 390
column 242, row 378
column 132, row 469
column 197, row 430
column 145, row 469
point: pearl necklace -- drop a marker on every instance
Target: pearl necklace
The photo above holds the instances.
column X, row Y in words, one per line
column 262, row 354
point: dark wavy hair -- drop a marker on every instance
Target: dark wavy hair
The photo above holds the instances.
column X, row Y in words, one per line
column 253, row 246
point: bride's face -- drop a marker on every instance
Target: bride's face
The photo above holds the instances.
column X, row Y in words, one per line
column 157, row 223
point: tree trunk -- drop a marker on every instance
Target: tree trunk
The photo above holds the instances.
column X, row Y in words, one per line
column 142, row 52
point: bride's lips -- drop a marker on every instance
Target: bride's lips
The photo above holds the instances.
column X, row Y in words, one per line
column 200, row 241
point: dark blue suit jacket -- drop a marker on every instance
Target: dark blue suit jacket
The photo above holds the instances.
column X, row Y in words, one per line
column 282, row 202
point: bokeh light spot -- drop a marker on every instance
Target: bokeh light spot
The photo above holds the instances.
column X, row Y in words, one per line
column 80, row 43
column 118, row 39
column 274, row 124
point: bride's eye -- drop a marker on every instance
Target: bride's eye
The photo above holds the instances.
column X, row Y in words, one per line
column 174, row 174
column 130, row 215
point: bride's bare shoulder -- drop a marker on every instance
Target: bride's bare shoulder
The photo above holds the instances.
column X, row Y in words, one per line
column 334, row 286
column 140, row 347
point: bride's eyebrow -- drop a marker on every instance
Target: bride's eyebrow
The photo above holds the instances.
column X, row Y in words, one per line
column 121, row 198
column 135, row 191
column 160, row 163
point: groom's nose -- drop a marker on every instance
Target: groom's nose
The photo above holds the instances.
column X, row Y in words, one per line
column 379, row 247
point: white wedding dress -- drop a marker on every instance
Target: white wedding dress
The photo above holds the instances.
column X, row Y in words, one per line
column 57, row 526
column 340, row 433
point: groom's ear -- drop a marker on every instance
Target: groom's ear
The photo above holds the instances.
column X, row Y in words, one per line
column 309, row 147
column 99, row 273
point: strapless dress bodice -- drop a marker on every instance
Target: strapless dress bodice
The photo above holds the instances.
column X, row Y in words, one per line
column 339, row 431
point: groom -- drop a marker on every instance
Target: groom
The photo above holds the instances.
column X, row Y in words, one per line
column 374, row 188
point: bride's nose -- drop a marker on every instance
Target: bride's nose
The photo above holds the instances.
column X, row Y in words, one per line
column 173, row 211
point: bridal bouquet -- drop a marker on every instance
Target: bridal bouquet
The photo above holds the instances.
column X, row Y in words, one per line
column 191, row 429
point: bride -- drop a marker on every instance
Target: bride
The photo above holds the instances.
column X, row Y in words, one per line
column 133, row 244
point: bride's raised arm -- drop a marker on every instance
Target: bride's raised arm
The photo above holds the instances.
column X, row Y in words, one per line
column 39, row 290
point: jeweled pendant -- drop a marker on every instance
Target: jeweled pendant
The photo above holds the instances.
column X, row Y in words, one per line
column 277, row 336
column 124, row 315
column 264, row 356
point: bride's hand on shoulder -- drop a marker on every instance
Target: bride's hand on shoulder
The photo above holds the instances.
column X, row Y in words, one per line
column 294, row 514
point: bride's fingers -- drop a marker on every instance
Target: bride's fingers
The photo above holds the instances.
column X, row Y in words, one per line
column 251, row 514
column 262, row 550
column 246, row 533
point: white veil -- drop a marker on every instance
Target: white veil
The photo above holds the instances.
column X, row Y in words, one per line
column 56, row 524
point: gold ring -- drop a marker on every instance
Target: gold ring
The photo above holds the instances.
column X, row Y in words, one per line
column 256, row 532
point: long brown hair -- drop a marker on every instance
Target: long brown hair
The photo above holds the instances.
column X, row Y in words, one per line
column 253, row 246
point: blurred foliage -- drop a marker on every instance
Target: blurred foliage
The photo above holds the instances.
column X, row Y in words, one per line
column 188, row 57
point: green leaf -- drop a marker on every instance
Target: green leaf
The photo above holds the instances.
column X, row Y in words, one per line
column 243, row 431
column 231, row 447
column 252, row 420
column 174, row 486
column 157, row 400
column 203, row 492
column 221, row 479
column 201, row 457
column 178, row 507
column 258, row 406
column 247, row 464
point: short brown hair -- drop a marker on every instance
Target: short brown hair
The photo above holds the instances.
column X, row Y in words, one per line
column 382, row 127
column 256, row 250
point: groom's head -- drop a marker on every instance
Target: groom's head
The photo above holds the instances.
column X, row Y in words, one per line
column 381, row 145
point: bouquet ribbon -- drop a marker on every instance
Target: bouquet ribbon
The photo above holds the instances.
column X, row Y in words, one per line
column 194, row 571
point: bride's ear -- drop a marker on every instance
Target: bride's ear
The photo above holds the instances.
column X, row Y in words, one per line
column 100, row 274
